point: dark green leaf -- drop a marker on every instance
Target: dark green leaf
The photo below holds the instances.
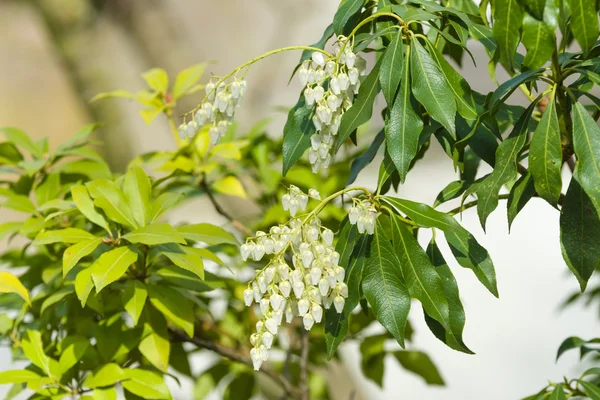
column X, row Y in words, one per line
column 503, row 91
column 346, row 10
column 384, row 286
column 534, row 8
column 362, row 107
column 240, row 388
column 296, row 133
column 175, row 307
column 521, row 192
column 508, row 17
column 590, row 389
column 403, row 127
column 558, row 393
column 586, row 143
column 373, row 355
column 419, row 363
column 365, row 158
column 545, row 156
column 451, row 191
column 584, row 22
column 391, row 68
column 430, row 87
column 539, row 40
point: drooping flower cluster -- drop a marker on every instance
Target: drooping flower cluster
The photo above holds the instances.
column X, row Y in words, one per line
column 341, row 76
column 218, row 109
column 313, row 280
column 363, row 215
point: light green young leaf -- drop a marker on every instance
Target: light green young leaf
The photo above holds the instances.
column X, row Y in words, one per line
column 48, row 190
column 18, row 376
column 146, row 384
column 175, row 307
column 119, row 94
column 19, row 203
column 111, row 266
column 84, row 285
column 153, row 234
column 156, row 349
column 384, row 286
column 67, row 235
column 584, row 23
column 56, row 297
column 231, row 186
column 74, row 347
column 76, row 252
column 430, row 87
column 11, row 284
column 185, row 258
column 34, row 350
column 109, row 393
column 157, row 79
column 134, row 299
column 391, row 68
column 187, row 79
column 138, row 193
column 112, row 201
column 20, row 139
column 163, row 203
column 105, row 375
column 545, row 156
column 85, row 204
column 404, row 125
column 207, row 233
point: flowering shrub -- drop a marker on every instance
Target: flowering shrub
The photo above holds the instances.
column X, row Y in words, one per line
column 106, row 296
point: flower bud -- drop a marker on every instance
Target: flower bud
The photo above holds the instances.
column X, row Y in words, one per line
column 271, row 325
column 264, row 306
column 303, row 305
column 338, row 303
column 248, row 296
column 317, row 312
column 308, row 321
column 318, row 58
column 298, row 288
column 285, row 287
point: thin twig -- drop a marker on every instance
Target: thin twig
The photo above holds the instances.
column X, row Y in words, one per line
column 304, row 347
column 243, row 228
column 233, row 355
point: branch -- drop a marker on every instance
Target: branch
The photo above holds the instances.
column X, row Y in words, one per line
column 240, row 226
column 289, row 389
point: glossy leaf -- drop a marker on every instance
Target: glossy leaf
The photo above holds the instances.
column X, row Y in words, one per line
column 163, row 203
column 534, row 8
column 67, row 235
column 153, row 234
column 34, row 350
column 404, row 125
column 365, row 158
column 76, row 252
column 558, row 393
column 176, row 308
column 584, row 22
column 545, row 156
column 73, row 350
column 362, row 108
column 539, row 40
column 111, row 266
column 296, row 133
column 419, row 363
column 453, row 190
column 230, row 185
column 134, row 299
column 508, row 18
column 85, row 204
column 391, row 68
column 112, row 201
column 586, row 143
column 187, row 79
column 521, row 192
column 384, row 286
column 84, row 285
column 206, row 233
column 430, row 87
column 11, row 284
column 105, row 375
column 346, row 10
column 156, row 349
column 18, row 376
column 186, row 258
column 138, row 193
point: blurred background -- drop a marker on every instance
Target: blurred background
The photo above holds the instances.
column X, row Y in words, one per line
column 55, row 55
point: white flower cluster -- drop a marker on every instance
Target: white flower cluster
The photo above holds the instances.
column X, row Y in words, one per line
column 342, row 77
column 218, row 109
column 363, row 215
column 313, row 281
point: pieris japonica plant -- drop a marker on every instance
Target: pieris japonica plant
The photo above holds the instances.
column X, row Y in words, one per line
column 321, row 259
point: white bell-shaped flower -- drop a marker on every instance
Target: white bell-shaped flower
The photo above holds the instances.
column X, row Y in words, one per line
column 317, row 312
column 285, row 287
column 248, row 297
column 338, row 303
column 308, row 321
column 267, row 339
column 318, row 58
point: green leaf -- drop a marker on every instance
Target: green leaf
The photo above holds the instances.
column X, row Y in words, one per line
column 590, row 389
column 134, row 298
column 384, row 286
column 539, row 40
column 404, row 126
column 156, row 349
column 11, row 284
column 138, row 193
column 34, row 350
column 48, row 190
column 558, row 393
column 373, row 355
column 176, row 308
column 296, row 133
column 503, row 91
column 230, row 185
column 9, row 228
column 505, row 168
column 78, row 138
column 569, row 343
column 105, row 375
column 464, row 246
column 545, row 156
column 85, row 204
column 209, row 379
column 73, row 349
column 430, row 87
column 419, row 363
column 336, row 324
column 18, row 376
column 362, row 107
column 508, row 18
column 55, row 298
column 534, row 8
column 9, row 154
column 109, row 393
column 76, row 252
column 84, row 285
column 580, row 233
column 19, row 203
column 111, row 200
column 240, row 388
column 586, row 143
column 163, row 203
column 146, row 384
column 391, row 68
column 187, row 79
column 67, row 235
column 207, row 233
column 521, row 192
column 584, row 23
column 20, row 139
column 450, row 192
column 185, row 258
column 453, row 336
column 346, row 10
column 360, row 162
column 153, row 234
column 157, row 79
column 111, row 266
column 422, row 280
